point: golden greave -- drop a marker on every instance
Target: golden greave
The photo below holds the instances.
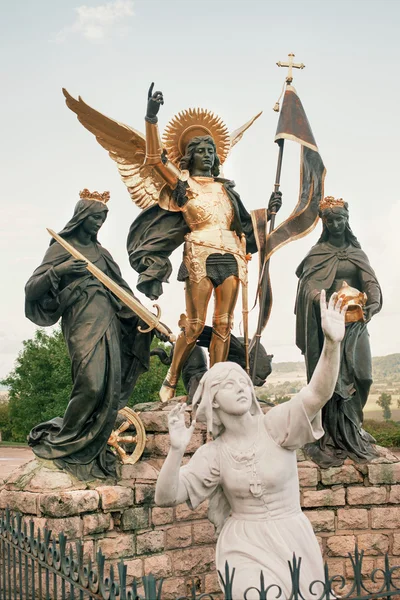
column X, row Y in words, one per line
column 183, row 347
column 197, row 296
column 225, row 300
column 197, row 299
column 220, row 338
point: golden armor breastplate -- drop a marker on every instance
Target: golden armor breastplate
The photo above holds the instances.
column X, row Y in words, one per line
column 209, row 214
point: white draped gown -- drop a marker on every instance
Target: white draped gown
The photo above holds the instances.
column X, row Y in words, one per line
column 266, row 524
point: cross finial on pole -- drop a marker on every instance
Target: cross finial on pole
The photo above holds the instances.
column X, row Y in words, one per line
column 291, row 65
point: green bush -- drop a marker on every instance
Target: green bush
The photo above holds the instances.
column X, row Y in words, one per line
column 386, row 433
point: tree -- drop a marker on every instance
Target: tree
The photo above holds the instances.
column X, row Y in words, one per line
column 148, row 385
column 41, row 383
column 5, row 424
column 384, row 401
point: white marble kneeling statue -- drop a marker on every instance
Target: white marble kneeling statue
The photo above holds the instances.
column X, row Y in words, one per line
column 249, row 470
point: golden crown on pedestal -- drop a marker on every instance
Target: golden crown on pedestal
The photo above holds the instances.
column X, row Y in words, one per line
column 331, row 202
column 99, row 197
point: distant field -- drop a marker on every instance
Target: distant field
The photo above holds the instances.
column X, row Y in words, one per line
column 377, row 415
column 295, row 373
column 277, row 377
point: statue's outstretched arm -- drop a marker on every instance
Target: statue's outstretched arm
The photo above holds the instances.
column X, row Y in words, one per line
column 322, row 384
column 154, row 152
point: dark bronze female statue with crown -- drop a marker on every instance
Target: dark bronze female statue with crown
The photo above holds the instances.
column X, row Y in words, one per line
column 338, row 264
column 107, row 351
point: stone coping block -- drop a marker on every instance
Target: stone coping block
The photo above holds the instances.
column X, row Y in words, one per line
column 142, row 470
column 384, row 473
column 67, row 504
column 343, row 474
column 24, row 502
column 115, row 497
column 40, row 475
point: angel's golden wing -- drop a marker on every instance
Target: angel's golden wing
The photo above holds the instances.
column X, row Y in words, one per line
column 126, row 146
column 237, row 135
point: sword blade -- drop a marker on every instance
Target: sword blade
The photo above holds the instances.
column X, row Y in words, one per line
column 142, row 312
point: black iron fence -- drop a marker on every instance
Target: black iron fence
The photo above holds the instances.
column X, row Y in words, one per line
column 36, row 566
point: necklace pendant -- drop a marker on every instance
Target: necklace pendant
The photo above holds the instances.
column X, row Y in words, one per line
column 255, row 488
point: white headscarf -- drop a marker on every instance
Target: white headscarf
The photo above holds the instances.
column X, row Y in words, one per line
column 207, row 389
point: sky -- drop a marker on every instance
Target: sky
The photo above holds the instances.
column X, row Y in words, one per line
column 217, row 54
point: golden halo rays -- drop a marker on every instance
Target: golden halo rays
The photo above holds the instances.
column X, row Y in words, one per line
column 191, row 123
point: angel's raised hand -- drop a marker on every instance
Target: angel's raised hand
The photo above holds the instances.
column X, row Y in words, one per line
column 332, row 317
column 154, row 101
column 179, row 434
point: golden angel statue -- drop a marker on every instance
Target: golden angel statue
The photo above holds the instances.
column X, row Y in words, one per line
column 176, row 181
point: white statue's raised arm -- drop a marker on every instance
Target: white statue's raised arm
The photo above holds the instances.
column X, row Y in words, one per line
column 249, row 470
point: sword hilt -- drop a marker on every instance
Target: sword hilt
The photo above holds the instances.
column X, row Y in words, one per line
column 159, row 326
column 156, row 322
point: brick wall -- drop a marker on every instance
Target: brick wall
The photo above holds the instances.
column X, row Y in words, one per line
column 346, row 505
column 354, row 504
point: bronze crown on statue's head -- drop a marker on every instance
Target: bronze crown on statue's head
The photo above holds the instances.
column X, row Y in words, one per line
column 331, row 202
column 99, row 197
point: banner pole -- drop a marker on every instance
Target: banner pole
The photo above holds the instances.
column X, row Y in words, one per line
column 265, row 272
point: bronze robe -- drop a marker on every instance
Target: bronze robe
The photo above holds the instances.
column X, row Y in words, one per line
column 342, row 416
